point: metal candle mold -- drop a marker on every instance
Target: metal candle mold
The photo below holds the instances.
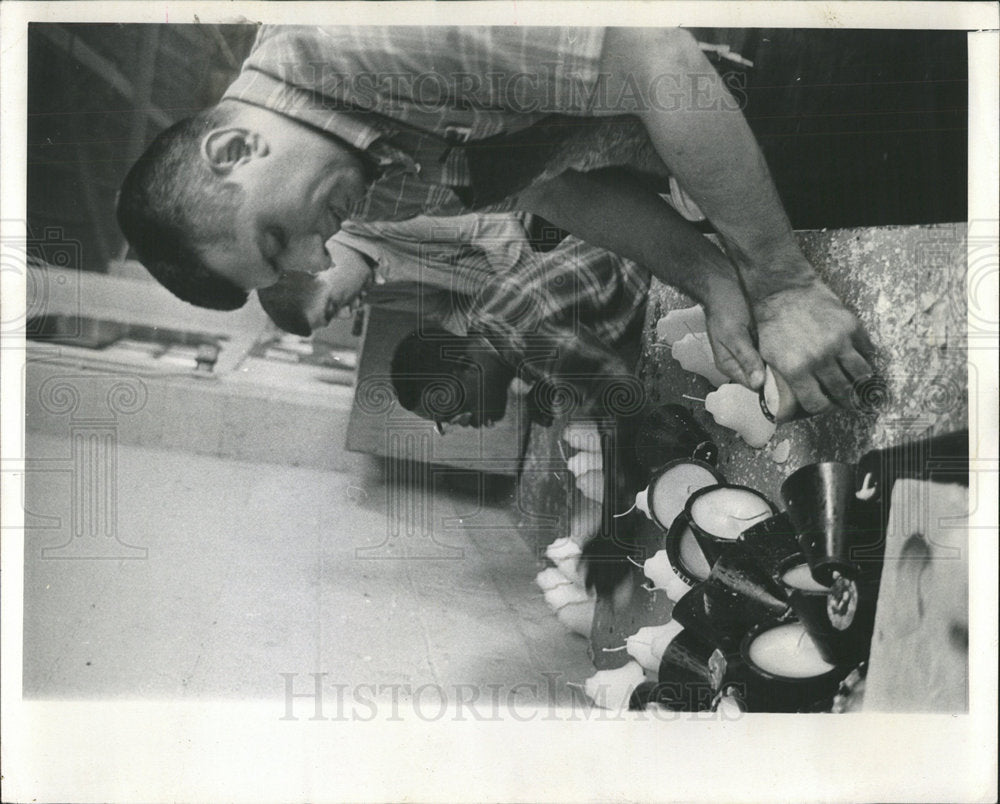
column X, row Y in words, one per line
column 819, row 498
column 770, row 542
column 718, row 514
column 719, row 617
column 691, row 674
column 839, row 617
column 738, row 575
column 684, row 554
column 672, row 486
column 783, row 670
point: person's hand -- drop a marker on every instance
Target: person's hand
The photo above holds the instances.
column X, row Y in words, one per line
column 731, row 335
column 819, row 346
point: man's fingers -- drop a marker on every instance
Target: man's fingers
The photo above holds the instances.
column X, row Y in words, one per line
column 743, row 363
column 737, row 358
column 863, row 344
column 836, row 384
column 809, row 393
column 730, row 366
column 859, row 371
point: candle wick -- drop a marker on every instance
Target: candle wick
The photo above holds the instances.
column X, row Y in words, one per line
column 615, row 650
column 636, row 563
column 867, row 491
column 624, row 513
column 693, row 398
column 575, row 685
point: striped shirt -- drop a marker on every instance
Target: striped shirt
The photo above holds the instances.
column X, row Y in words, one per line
column 564, row 312
column 457, row 254
column 569, row 307
column 453, row 118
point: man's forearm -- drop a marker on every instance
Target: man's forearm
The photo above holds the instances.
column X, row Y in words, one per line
column 608, row 208
column 704, row 140
column 613, row 210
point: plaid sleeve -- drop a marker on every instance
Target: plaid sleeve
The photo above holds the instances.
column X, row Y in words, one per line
column 541, row 317
column 486, row 78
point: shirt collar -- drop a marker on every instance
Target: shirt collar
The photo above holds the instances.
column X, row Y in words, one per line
column 262, row 89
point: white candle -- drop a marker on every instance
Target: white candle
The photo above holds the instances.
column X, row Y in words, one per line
column 694, row 353
column 565, row 554
column 727, row 512
column 738, row 408
column 670, row 493
column 729, row 707
column 647, row 644
column 691, row 556
column 578, row 617
column 788, row 651
column 551, row 578
column 611, row 689
column 678, row 323
column 583, row 462
column 800, row 577
column 659, row 570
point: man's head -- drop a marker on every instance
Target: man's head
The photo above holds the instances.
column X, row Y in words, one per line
column 450, row 379
column 225, row 201
column 301, row 303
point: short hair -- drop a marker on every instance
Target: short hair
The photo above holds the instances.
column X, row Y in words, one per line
column 286, row 301
column 171, row 202
column 418, row 371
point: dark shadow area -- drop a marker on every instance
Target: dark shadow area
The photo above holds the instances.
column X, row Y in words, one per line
column 859, row 127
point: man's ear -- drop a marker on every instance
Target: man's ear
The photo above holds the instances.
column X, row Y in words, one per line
column 225, row 149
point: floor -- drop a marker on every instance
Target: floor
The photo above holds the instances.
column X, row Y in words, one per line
column 211, row 578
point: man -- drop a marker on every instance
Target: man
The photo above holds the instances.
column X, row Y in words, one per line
column 555, row 335
column 414, row 265
column 555, row 317
column 384, row 124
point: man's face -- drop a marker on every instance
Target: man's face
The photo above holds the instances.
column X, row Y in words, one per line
column 298, row 185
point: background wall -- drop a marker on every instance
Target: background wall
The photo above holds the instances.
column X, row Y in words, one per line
column 97, row 95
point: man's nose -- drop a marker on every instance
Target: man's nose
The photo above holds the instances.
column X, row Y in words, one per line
column 304, row 253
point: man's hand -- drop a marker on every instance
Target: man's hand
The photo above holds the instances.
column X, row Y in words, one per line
column 731, row 334
column 814, row 342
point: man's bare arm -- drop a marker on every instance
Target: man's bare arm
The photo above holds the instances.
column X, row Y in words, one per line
column 699, row 131
column 612, row 210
